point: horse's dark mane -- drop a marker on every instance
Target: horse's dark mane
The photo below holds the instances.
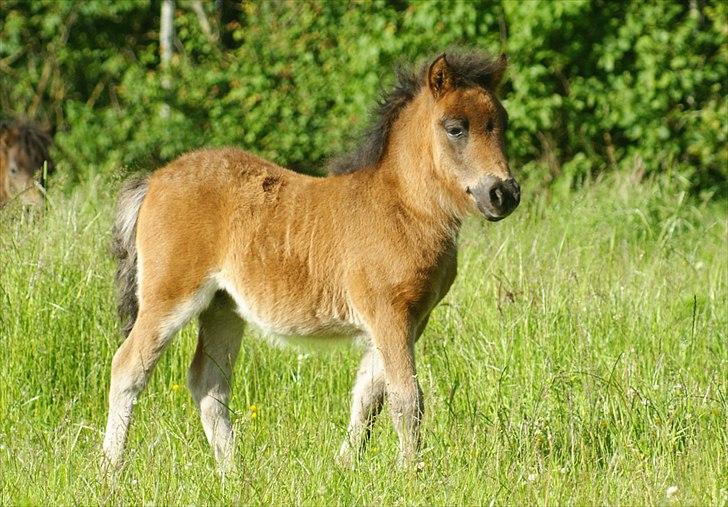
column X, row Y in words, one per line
column 31, row 138
column 468, row 69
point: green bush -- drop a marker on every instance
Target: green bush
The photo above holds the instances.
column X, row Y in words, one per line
column 593, row 85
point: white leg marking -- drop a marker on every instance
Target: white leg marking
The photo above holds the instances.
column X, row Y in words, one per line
column 133, row 364
column 210, row 375
column 367, row 400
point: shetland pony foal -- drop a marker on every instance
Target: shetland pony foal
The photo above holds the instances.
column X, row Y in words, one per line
column 365, row 253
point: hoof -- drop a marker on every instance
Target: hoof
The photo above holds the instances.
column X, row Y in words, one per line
column 109, row 469
column 409, row 462
column 346, row 458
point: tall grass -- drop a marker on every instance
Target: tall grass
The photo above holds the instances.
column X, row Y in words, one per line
column 580, row 358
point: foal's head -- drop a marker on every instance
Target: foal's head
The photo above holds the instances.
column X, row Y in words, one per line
column 468, row 125
column 23, row 150
column 456, row 113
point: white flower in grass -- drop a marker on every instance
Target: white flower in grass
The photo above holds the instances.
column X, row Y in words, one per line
column 671, row 492
column 532, row 477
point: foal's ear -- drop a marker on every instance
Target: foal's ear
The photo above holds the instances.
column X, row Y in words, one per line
column 440, row 77
column 499, row 70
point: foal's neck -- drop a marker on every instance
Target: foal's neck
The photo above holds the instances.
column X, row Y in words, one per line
column 407, row 171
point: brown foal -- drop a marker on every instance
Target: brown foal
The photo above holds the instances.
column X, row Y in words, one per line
column 23, row 151
column 364, row 253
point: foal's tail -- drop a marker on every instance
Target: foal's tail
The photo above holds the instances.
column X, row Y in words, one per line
column 123, row 247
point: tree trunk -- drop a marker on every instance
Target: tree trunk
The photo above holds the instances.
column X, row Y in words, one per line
column 166, row 39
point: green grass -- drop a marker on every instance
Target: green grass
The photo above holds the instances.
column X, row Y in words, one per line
column 580, row 358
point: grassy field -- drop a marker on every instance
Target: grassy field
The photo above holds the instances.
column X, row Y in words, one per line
column 581, row 358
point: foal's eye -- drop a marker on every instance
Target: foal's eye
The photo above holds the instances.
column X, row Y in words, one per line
column 489, row 126
column 456, row 129
column 455, row 132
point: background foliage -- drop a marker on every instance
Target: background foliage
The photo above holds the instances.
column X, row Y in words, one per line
column 593, row 84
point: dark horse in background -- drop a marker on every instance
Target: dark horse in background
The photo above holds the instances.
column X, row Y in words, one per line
column 23, row 151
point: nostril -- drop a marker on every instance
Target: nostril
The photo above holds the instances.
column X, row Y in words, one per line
column 496, row 196
column 514, row 189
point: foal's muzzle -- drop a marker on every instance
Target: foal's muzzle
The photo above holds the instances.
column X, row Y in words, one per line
column 496, row 198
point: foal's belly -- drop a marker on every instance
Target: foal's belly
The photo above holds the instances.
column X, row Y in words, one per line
column 294, row 322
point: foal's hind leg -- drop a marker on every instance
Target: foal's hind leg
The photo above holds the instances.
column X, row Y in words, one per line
column 367, row 401
column 210, row 373
column 136, row 357
column 130, row 371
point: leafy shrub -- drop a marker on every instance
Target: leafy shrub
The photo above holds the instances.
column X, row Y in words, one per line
column 593, row 85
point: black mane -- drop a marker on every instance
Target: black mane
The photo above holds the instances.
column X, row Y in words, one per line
column 468, row 69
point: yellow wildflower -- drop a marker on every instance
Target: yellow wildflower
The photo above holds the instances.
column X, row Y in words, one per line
column 175, row 387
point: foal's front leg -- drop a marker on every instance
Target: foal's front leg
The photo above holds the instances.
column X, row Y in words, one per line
column 367, row 400
column 395, row 342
